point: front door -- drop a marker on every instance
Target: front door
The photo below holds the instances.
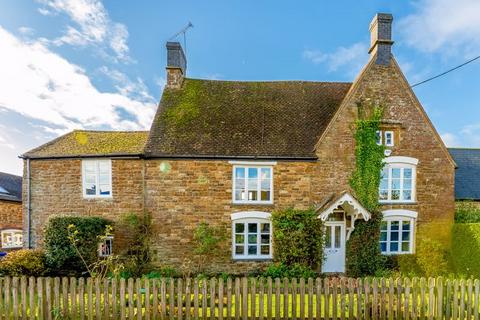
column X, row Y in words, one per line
column 334, row 247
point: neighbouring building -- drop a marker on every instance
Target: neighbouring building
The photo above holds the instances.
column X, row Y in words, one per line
column 467, row 174
column 230, row 152
column 10, row 212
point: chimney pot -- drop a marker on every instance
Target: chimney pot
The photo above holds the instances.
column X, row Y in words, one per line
column 176, row 65
column 381, row 38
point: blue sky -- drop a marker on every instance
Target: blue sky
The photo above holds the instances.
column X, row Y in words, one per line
column 68, row 64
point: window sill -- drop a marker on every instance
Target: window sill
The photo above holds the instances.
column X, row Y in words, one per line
column 97, row 197
column 253, row 203
column 253, row 259
column 382, row 202
column 395, row 253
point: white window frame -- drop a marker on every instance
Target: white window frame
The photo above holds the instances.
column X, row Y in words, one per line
column 392, row 140
column 246, row 217
column 11, row 232
column 106, row 241
column 400, row 215
column 97, row 174
column 400, row 163
column 251, row 164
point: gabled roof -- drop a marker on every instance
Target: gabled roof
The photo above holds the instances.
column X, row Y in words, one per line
column 229, row 119
column 10, row 187
column 84, row 143
column 335, row 201
column 467, row 174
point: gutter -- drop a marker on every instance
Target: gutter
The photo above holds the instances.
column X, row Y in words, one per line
column 83, row 156
column 29, row 244
column 225, row 157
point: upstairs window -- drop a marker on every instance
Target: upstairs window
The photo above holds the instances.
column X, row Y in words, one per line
column 397, row 182
column 252, row 184
column 12, row 238
column 386, row 138
column 97, row 178
column 251, row 236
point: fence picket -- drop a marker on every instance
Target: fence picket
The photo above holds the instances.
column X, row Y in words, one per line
column 310, row 298
column 98, row 295
column 131, row 310
column 188, row 298
column 179, row 299
column 212, row 298
column 7, row 295
column 64, row 297
column 285, row 298
column 220, row 298
column 469, row 298
column 261, row 293
column 138, row 292
column 475, row 299
column 195, row 299
column 318, row 298
column 81, row 297
column 253, row 296
column 122, row 299
column 31, row 297
column 244, row 298
column 155, row 299
column 229, row 298
column 462, row 299
column 277, row 299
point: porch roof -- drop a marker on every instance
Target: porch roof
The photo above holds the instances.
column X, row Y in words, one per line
column 344, row 200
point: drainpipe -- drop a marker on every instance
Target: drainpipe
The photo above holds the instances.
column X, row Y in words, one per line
column 29, row 245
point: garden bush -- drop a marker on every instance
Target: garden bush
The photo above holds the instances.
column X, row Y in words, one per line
column 297, row 238
column 61, row 256
column 467, row 212
column 23, row 262
column 466, row 249
column 296, row 270
column 431, row 258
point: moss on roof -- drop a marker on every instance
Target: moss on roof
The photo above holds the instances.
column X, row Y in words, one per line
column 91, row 143
column 239, row 118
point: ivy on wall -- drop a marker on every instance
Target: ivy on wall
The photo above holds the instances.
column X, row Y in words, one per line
column 363, row 251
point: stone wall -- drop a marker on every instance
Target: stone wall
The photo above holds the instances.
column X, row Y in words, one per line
column 56, row 189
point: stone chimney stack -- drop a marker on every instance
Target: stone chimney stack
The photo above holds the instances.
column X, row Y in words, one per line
column 381, row 38
column 176, row 65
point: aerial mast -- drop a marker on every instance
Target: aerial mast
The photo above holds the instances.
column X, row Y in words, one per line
column 183, row 32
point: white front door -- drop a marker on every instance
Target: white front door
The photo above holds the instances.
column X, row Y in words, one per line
column 334, row 247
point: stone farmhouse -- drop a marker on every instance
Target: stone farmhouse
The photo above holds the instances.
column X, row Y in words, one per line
column 230, row 152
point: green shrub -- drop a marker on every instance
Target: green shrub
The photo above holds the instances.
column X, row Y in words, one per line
column 297, row 238
column 431, row 258
column 465, row 255
column 23, row 263
column 163, row 272
column 296, row 270
column 467, row 212
column 61, row 256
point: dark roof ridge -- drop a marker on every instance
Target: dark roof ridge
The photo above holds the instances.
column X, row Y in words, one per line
column 103, row 131
column 10, row 174
column 464, row 148
column 268, row 81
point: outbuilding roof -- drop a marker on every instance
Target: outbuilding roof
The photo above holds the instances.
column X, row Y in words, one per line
column 84, row 143
column 237, row 119
column 467, row 174
column 10, row 187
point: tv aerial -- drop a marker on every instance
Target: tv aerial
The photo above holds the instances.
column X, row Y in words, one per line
column 183, row 32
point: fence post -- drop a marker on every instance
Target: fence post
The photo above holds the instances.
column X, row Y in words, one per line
column 439, row 298
column 277, row 299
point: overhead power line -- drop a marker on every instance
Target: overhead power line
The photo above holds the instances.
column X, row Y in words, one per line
column 444, row 73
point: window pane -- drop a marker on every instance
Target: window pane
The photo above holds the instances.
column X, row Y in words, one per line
column 395, row 172
column 395, row 194
column 337, row 236
column 265, row 239
column 252, row 173
column 239, row 239
column 90, row 189
column 405, row 246
column 90, row 178
column 384, row 225
column 395, row 184
column 89, row 166
column 394, row 236
column 265, row 184
column 104, row 167
column 378, row 136
column 394, row 225
column 407, row 195
column 105, row 189
column 406, row 235
column 239, row 250
column 384, row 184
column 265, row 173
column 383, row 247
column 265, row 227
column 252, row 238
column 265, row 195
column 252, row 228
column 252, row 184
column 383, row 236
column 104, row 179
column 239, row 173
column 239, row 227
column 328, row 237
column 240, row 195
column 252, row 250
column 407, row 184
column 252, row 195
column 265, row 250
column 407, row 173
column 393, row 246
column 383, row 194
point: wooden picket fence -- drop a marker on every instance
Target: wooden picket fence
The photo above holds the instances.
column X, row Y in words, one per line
column 239, row 298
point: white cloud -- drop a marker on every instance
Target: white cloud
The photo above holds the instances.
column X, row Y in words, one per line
column 468, row 136
column 449, row 139
column 353, row 57
column 93, row 26
column 443, row 26
column 42, row 85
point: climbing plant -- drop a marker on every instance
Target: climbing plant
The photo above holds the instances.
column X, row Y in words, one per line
column 363, row 251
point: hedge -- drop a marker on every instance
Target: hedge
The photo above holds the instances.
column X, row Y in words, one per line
column 466, row 248
column 61, row 256
column 467, row 212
